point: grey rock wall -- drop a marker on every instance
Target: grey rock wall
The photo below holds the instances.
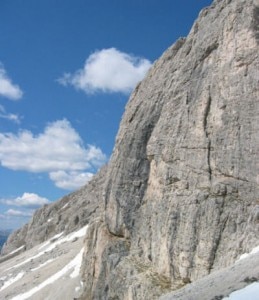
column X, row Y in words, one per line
column 182, row 183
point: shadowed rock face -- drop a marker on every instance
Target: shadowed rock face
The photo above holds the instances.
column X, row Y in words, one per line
column 179, row 197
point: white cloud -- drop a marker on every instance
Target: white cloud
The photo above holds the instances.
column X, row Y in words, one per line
column 29, row 200
column 11, row 117
column 27, row 203
column 58, row 148
column 18, row 213
column 70, row 180
column 7, row 88
column 108, row 70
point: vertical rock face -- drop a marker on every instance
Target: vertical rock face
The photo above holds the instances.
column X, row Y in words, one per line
column 181, row 196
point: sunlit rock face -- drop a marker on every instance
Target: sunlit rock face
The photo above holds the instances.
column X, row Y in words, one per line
column 179, row 198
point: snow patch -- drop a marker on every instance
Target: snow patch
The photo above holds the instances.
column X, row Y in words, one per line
column 73, row 264
column 80, row 233
column 12, row 280
column 16, row 250
column 49, row 220
column 78, row 262
column 245, row 255
column 3, row 278
column 64, row 206
column 42, row 265
column 249, row 292
column 25, row 261
column 68, row 238
column 77, row 234
column 51, row 239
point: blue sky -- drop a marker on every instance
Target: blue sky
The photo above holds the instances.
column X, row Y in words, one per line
column 66, row 72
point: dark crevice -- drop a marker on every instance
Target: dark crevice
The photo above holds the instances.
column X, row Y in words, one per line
column 207, row 134
column 209, row 50
column 255, row 24
column 208, row 159
column 217, row 241
column 234, row 177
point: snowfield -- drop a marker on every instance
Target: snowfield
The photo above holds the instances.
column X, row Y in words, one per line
column 31, row 274
column 51, row 270
column 11, row 280
column 245, row 255
column 74, row 264
column 250, row 292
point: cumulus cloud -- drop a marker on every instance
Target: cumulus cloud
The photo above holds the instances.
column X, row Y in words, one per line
column 8, row 116
column 70, row 180
column 108, row 70
column 7, row 88
column 27, row 203
column 18, row 213
column 27, row 200
column 58, row 148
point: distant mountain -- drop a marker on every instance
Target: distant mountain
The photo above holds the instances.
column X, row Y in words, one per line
column 3, row 236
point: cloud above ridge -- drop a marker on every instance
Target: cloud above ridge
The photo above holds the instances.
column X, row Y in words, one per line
column 70, row 180
column 7, row 88
column 18, row 213
column 58, row 149
column 108, row 70
column 27, row 200
column 20, row 209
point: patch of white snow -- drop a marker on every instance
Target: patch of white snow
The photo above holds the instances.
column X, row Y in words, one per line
column 248, row 293
column 16, row 250
column 245, row 255
column 12, row 280
column 51, row 239
column 71, row 265
column 42, row 265
column 64, row 206
column 26, row 261
column 3, row 278
column 77, row 234
column 78, row 263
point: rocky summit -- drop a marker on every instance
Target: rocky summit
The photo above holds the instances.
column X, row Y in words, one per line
column 178, row 203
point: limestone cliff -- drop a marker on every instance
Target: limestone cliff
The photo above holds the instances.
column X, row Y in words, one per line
column 179, row 198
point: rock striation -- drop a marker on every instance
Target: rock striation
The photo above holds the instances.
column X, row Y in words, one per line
column 179, row 198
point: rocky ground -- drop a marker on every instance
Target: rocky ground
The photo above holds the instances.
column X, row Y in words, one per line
column 222, row 283
column 50, row 270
